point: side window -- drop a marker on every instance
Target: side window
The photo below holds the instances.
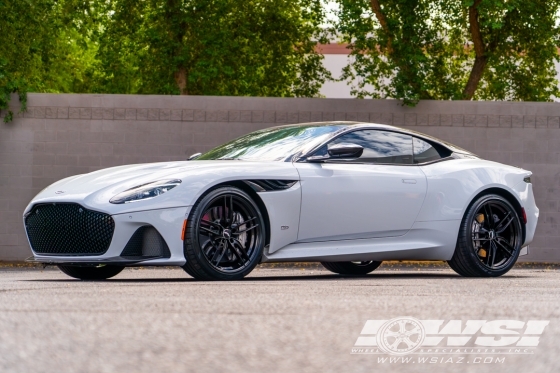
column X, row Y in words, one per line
column 426, row 152
column 379, row 146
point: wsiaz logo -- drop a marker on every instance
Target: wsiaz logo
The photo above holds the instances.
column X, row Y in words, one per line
column 405, row 335
column 401, row 336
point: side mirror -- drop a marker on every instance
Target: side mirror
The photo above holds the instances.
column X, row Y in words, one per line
column 338, row 151
column 194, row 156
column 345, row 150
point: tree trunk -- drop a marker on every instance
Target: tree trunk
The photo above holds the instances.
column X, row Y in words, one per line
column 181, row 80
column 481, row 58
column 376, row 7
column 403, row 64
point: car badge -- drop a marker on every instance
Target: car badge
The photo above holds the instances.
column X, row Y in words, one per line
column 59, row 192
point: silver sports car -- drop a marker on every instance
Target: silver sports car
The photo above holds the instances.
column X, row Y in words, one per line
column 349, row 195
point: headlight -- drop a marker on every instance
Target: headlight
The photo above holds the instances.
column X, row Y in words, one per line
column 145, row 191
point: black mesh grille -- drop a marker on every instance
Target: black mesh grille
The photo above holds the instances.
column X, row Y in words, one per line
column 146, row 242
column 68, row 229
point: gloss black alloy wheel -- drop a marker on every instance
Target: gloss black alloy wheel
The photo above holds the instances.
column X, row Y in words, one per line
column 90, row 272
column 351, row 268
column 225, row 236
column 490, row 238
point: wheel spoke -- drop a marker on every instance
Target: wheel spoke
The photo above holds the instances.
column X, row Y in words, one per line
column 395, row 344
column 408, row 342
column 489, row 215
column 489, row 254
column 218, row 254
column 500, row 228
column 210, row 223
column 242, row 250
column 210, row 247
column 505, row 246
column 415, row 330
column 206, row 231
column 402, row 326
column 238, row 253
column 246, row 230
column 494, row 250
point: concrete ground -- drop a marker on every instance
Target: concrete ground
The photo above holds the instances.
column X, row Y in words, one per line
column 300, row 319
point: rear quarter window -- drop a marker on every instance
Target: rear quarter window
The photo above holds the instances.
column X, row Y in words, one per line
column 425, row 152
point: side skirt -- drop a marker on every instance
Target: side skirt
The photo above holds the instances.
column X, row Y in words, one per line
column 435, row 240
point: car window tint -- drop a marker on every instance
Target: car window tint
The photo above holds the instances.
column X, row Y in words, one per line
column 379, row 146
column 424, row 151
column 274, row 144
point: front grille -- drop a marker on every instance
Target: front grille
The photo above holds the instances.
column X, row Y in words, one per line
column 68, row 229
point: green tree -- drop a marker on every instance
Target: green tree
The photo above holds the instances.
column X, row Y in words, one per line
column 460, row 49
column 212, row 47
column 43, row 47
column 196, row 47
column 23, row 38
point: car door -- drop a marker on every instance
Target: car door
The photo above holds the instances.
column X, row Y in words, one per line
column 378, row 194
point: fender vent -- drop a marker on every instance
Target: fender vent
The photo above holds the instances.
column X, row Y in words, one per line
column 146, row 242
column 270, row 185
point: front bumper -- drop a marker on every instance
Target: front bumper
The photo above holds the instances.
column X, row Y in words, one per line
column 168, row 222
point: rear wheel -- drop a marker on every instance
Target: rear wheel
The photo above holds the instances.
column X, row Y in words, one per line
column 101, row 272
column 490, row 238
column 351, row 268
column 225, row 236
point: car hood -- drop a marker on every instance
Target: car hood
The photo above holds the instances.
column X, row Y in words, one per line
column 95, row 189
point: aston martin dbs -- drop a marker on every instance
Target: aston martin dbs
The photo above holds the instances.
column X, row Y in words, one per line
column 349, row 195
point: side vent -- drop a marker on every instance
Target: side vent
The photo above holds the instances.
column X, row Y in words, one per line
column 146, row 242
column 270, row 185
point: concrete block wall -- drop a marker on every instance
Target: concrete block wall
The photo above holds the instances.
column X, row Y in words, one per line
column 63, row 135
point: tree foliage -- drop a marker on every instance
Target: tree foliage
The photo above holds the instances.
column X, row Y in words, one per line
column 43, row 47
column 460, row 49
column 212, row 47
column 196, row 47
column 24, row 42
column 404, row 49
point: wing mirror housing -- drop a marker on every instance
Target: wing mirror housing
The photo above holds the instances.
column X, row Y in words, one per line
column 339, row 151
column 345, row 150
column 194, row 156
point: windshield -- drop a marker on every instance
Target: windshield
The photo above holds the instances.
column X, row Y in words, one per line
column 274, row 144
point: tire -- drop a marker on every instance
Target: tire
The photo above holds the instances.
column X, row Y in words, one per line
column 490, row 238
column 225, row 236
column 90, row 272
column 351, row 268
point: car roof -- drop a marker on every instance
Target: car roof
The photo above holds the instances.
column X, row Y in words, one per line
column 349, row 126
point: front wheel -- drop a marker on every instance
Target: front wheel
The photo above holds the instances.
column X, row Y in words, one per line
column 101, row 272
column 351, row 268
column 225, row 236
column 490, row 238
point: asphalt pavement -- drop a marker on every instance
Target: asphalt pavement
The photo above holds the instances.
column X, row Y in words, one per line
column 301, row 319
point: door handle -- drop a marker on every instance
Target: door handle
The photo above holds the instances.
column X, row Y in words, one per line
column 409, row 181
